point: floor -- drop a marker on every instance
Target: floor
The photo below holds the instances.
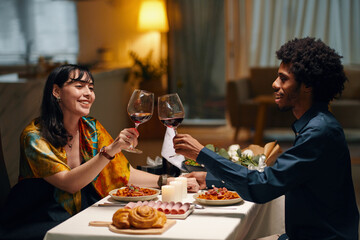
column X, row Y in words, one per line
column 222, row 136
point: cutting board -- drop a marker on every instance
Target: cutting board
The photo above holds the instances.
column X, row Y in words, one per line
column 169, row 223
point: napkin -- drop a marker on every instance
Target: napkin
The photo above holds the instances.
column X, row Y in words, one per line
column 168, row 151
column 156, row 162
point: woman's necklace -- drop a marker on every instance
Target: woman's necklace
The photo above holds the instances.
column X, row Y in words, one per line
column 72, row 139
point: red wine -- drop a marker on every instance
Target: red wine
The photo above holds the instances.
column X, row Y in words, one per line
column 140, row 117
column 172, row 122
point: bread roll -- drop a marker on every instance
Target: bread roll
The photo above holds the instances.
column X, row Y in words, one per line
column 121, row 218
column 143, row 217
column 160, row 221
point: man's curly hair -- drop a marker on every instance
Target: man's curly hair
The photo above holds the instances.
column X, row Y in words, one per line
column 316, row 65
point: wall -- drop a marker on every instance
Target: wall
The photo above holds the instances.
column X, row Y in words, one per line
column 19, row 104
column 108, row 31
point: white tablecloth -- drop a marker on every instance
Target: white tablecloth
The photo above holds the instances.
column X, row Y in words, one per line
column 248, row 221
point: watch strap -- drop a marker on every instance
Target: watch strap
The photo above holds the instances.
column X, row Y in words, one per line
column 105, row 154
column 162, row 180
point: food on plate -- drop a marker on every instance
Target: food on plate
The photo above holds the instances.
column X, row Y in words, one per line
column 140, row 217
column 134, row 191
column 166, row 207
column 218, row 194
column 184, row 208
column 121, row 218
column 191, row 162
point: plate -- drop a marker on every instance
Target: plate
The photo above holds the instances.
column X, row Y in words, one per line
column 134, row 199
column 217, row 202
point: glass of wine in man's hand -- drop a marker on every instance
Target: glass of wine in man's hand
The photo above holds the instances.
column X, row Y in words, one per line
column 140, row 109
column 171, row 111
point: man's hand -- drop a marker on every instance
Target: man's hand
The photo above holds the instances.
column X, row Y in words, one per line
column 192, row 184
column 200, row 178
column 187, row 146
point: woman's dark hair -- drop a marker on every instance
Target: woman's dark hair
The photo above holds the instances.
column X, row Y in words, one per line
column 51, row 119
column 316, row 65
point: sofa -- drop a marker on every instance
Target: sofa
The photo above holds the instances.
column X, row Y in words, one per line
column 245, row 109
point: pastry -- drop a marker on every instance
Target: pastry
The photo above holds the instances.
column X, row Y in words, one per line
column 143, row 217
column 121, row 218
column 161, row 220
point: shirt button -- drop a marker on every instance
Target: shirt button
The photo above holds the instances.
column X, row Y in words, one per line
column 223, row 181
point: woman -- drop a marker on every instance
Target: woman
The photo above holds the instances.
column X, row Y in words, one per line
column 68, row 160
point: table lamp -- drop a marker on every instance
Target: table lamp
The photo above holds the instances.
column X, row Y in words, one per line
column 153, row 17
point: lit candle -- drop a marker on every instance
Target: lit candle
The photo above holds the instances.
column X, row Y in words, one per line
column 167, row 193
column 178, row 190
column 183, row 180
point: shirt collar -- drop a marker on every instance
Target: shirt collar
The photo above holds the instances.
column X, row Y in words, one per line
column 308, row 115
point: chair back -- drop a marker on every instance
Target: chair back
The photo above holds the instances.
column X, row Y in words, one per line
column 4, row 178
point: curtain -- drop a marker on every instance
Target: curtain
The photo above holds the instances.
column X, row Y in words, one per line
column 196, row 56
column 256, row 29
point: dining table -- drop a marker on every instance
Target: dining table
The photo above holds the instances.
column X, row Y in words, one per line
column 243, row 220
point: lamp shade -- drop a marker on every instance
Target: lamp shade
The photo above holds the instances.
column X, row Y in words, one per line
column 152, row 17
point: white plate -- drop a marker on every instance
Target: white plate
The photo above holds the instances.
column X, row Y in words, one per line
column 217, row 202
column 134, row 199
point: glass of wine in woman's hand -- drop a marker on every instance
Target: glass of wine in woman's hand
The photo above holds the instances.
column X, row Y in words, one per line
column 140, row 109
column 171, row 111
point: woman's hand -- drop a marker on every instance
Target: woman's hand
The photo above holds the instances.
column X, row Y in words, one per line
column 124, row 140
column 187, row 146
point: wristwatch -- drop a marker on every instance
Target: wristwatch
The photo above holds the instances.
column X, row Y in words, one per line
column 162, row 180
column 105, row 154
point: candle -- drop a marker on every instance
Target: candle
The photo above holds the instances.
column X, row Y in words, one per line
column 183, row 180
column 178, row 190
column 168, row 193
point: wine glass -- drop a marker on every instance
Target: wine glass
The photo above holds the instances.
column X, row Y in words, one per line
column 171, row 111
column 140, row 109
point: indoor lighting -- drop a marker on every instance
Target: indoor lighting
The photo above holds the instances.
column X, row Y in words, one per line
column 152, row 17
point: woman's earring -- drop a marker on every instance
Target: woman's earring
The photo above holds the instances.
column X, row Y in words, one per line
column 58, row 99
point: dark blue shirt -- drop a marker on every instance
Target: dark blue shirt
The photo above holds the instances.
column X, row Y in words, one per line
column 314, row 174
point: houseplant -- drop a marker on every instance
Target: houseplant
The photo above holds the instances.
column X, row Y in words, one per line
column 149, row 75
column 146, row 73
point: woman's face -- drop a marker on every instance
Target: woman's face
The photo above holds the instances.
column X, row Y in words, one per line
column 76, row 97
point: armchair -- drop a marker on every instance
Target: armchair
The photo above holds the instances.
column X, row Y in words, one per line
column 250, row 103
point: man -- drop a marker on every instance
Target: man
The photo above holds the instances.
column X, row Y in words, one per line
column 314, row 174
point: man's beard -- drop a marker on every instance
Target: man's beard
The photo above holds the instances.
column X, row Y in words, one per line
column 284, row 109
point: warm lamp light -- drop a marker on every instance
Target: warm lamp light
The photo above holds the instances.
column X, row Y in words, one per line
column 152, row 17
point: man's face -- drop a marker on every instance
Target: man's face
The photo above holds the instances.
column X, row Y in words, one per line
column 287, row 90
